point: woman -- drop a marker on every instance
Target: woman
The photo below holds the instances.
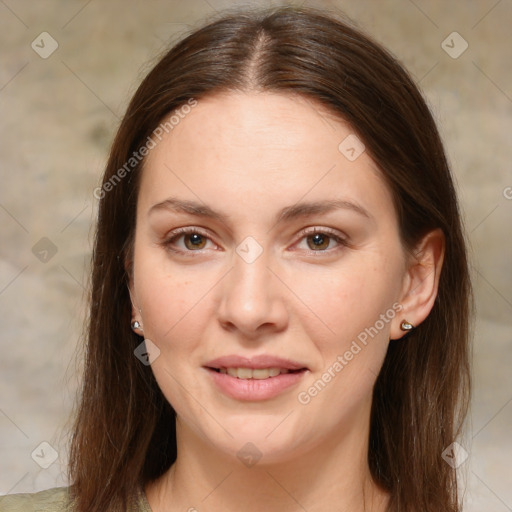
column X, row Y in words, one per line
column 280, row 290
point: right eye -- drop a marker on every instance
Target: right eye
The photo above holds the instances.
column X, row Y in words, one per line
column 185, row 240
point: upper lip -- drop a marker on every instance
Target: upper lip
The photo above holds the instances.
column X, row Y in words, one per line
column 254, row 362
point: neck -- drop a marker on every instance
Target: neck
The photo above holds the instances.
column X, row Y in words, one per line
column 330, row 476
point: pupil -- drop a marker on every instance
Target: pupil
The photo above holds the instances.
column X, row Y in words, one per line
column 195, row 239
column 320, row 241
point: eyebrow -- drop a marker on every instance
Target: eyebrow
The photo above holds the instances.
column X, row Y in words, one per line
column 288, row 213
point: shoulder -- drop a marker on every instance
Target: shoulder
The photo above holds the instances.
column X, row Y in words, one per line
column 58, row 499
column 52, row 500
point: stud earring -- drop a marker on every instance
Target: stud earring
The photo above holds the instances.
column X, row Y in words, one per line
column 136, row 325
column 406, row 326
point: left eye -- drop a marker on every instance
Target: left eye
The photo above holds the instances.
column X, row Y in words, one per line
column 192, row 240
column 320, row 241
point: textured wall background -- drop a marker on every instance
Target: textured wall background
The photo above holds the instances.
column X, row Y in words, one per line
column 59, row 112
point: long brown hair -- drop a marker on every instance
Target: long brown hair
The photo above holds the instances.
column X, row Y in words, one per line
column 124, row 434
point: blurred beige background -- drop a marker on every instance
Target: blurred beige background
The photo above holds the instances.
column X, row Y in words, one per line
column 59, row 113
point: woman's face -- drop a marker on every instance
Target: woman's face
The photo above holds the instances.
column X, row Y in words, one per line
column 266, row 240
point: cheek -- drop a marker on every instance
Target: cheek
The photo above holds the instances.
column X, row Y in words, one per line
column 342, row 304
column 169, row 299
column 174, row 317
column 357, row 304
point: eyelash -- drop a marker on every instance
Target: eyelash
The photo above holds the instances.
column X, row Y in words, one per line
column 177, row 233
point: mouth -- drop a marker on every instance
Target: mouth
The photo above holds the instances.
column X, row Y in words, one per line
column 260, row 377
column 255, row 373
column 254, row 384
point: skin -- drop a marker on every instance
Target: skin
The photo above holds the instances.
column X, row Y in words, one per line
column 248, row 156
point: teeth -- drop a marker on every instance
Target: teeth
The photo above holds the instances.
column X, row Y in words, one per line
column 233, row 372
column 243, row 373
column 249, row 373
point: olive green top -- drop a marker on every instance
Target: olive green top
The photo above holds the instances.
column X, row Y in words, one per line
column 56, row 500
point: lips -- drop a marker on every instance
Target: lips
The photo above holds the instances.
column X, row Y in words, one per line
column 262, row 361
column 253, row 373
column 254, row 378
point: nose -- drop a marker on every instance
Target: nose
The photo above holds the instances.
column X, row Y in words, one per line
column 253, row 300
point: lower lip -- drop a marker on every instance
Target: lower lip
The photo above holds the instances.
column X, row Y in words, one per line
column 255, row 389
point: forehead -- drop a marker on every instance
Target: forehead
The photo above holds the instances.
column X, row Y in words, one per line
column 254, row 121
column 267, row 148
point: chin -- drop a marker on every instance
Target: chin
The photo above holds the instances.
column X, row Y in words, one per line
column 262, row 443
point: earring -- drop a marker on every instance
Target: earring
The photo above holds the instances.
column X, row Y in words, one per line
column 136, row 325
column 406, row 326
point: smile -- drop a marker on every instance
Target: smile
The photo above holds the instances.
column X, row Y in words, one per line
column 254, row 384
column 253, row 373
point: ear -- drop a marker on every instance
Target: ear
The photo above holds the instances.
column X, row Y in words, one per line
column 421, row 281
column 136, row 310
